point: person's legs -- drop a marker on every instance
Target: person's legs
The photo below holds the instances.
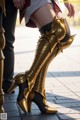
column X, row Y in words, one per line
column 55, row 33
column 9, row 25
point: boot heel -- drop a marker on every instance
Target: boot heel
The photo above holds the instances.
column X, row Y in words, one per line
column 14, row 85
column 29, row 104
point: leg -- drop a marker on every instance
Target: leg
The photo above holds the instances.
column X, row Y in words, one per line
column 9, row 23
column 2, row 44
column 46, row 46
column 66, row 42
column 43, row 16
column 37, row 94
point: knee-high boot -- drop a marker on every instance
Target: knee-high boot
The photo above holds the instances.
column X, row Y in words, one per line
column 37, row 94
column 46, row 45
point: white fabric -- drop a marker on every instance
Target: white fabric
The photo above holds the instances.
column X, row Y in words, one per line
column 35, row 4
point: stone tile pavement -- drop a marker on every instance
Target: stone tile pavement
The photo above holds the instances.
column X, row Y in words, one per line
column 62, row 79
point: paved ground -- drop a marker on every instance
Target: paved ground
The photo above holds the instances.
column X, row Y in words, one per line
column 62, row 80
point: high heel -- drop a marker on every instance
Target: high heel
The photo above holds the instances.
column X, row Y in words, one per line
column 40, row 101
column 20, row 80
column 29, row 105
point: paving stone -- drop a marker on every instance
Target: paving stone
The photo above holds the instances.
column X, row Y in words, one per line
column 77, row 93
column 41, row 117
column 63, row 93
column 13, row 97
column 13, row 114
column 71, row 105
column 34, row 112
column 15, row 118
column 75, row 110
column 10, row 107
column 50, row 94
column 10, row 98
column 68, row 97
column 48, row 74
column 77, row 119
column 69, row 116
column 68, row 101
column 51, row 98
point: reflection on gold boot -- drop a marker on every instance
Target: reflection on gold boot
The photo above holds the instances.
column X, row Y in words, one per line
column 38, row 93
column 20, row 80
column 45, row 48
column 40, row 101
column 2, row 45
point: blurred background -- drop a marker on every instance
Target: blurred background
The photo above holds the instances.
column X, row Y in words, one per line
column 75, row 21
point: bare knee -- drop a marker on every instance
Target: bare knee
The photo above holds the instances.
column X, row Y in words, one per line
column 43, row 15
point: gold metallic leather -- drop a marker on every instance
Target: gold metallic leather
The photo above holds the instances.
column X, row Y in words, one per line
column 1, row 101
column 2, row 44
column 2, row 39
column 46, row 45
column 2, row 6
column 40, row 80
column 22, row 104
column 19, row 79
column 39, row 86
column 44, row 108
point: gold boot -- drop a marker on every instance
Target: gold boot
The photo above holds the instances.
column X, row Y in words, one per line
column 38, row 92
column 2, row 44
column 46, row 45
column 1, row 101
column 20, row 80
